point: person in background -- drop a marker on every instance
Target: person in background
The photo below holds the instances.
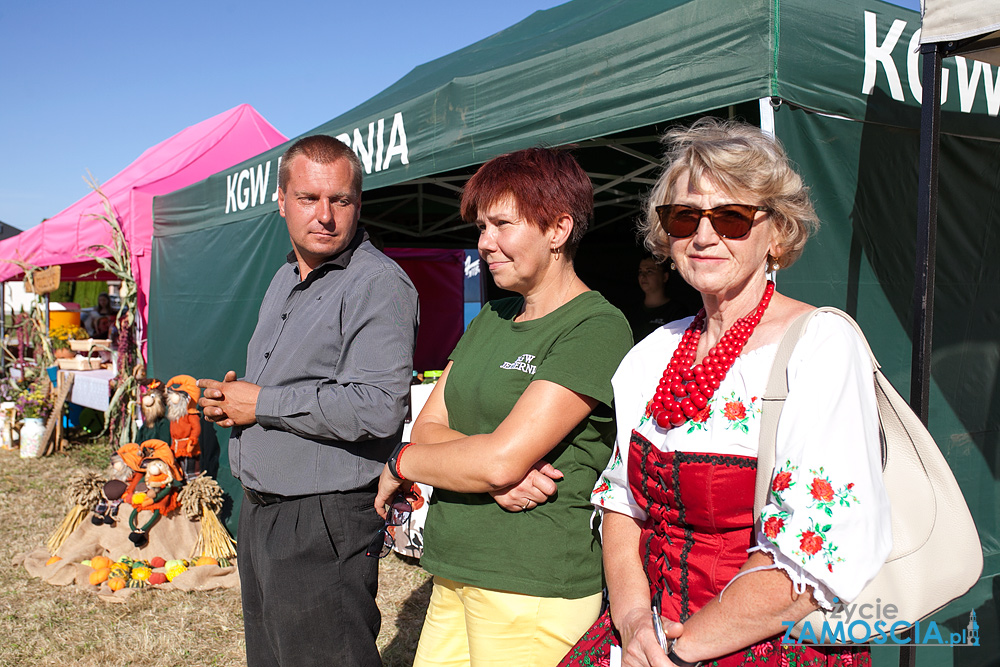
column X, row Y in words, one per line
column 101, row 318
column 677, row 497
column 657, row 307
column 516, row 430
column 316, row 415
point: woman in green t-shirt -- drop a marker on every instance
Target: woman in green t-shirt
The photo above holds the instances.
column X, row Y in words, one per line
column 517, row 429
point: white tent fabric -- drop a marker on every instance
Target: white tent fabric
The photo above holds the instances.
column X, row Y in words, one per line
column 957, row 20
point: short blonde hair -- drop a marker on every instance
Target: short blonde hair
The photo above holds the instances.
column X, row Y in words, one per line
column 738, row 158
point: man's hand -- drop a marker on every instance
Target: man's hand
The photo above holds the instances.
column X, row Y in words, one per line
column 536, row 488
column 388, row 486
column 230, row 402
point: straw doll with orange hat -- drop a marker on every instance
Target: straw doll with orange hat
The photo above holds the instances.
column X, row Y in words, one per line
column 185, row 422
column 153, row 488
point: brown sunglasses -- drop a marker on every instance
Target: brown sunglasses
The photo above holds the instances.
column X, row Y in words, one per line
column 730, row 221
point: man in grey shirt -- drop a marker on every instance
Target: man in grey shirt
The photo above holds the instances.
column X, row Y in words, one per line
column 314, row 419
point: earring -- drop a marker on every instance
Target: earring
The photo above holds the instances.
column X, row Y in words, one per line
column 673, row 267
column 772, row 263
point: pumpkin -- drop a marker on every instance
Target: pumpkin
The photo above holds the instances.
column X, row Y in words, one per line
column 97, row 576
column 157, row 578
column 206, row 560
column 157, row 562
column 116, row 584
column 98, row 562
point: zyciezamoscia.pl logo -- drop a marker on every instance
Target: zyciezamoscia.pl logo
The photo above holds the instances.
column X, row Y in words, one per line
column 879, row 624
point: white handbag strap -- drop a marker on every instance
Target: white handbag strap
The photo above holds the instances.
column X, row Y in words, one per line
column 774, row 399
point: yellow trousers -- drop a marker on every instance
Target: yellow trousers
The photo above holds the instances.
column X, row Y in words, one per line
column 468, row 626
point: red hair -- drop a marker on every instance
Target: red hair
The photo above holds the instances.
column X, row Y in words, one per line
column 544, row 183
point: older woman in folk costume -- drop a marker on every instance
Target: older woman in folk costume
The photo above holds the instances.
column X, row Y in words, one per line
column 677, row 496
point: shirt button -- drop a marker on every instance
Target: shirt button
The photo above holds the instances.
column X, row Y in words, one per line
column 284, row 315
column 267, row 355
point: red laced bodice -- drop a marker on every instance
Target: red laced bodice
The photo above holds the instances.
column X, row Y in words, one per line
column 700, row 522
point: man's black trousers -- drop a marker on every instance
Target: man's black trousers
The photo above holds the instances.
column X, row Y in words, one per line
column 308, row 588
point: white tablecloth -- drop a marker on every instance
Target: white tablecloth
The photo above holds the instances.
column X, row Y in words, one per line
column 90, row 388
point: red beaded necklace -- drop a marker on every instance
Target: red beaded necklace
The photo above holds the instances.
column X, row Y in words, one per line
column 683, row 391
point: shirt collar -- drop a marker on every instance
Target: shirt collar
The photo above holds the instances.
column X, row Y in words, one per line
column 338, row 261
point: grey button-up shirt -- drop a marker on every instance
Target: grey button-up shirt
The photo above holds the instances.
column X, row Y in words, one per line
column 333, row 355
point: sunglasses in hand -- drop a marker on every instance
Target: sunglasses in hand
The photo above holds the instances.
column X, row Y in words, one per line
column 398, row 515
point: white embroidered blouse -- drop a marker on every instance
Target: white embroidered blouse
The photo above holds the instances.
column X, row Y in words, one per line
column 826, row 522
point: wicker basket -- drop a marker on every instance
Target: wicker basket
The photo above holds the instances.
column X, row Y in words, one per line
column 78, row 364
column 89, row 344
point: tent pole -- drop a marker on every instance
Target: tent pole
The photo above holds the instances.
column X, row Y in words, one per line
column 927, row 185
column 923, row 284
column 3, row 329
column 766, row 115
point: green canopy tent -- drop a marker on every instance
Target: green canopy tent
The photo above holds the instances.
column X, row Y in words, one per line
column 839, row 84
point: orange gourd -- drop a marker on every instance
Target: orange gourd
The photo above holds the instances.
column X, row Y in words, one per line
column 98, row 562
column 116, row 584
column 97, row 576
column 206, row 560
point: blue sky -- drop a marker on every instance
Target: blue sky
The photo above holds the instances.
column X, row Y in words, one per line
column 91, row 85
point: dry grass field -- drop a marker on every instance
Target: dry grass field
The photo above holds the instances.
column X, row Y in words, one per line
column 42, row 624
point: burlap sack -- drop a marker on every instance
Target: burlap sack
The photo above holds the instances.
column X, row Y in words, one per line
column 171, row 538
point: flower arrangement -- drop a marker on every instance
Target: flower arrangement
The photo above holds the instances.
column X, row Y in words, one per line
column 9, row 390
column 34, row 402
column 61, row 336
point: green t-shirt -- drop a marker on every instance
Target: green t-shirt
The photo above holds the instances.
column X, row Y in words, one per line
column 551, row 550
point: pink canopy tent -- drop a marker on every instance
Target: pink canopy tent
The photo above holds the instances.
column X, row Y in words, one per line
column 185, row 158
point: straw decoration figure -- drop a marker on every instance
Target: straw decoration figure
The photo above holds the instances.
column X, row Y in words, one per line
column 83, row 492
column 201, row 499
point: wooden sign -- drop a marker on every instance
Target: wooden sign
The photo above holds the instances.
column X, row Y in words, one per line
column 43, row 281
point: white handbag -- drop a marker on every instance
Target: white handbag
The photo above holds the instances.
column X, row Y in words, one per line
column 936, row 555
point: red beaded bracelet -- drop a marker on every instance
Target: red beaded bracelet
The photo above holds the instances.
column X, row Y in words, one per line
column 399, row 456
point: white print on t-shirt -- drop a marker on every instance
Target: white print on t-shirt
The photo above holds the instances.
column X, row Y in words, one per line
column 523, row 364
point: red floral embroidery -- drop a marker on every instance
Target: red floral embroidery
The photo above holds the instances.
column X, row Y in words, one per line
column 702, row 415
column 603, row 486
column 735, row 411
column 811, row 543
column 781, row 481
column 821, row 489
column 416, row 497
column 773, row 526
column 762, row 650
